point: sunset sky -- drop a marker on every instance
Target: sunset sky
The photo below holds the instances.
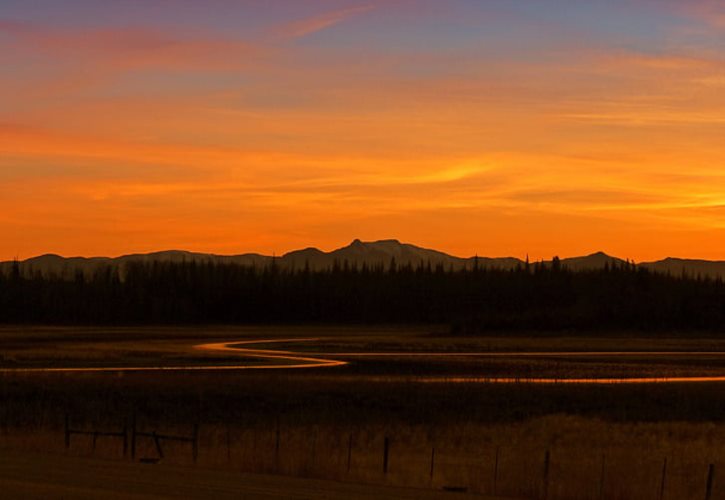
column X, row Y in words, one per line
column 501, row 127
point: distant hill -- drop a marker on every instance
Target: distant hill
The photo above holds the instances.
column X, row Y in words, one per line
column 357, row 253
column 594, row 261
column 692, row 267
column 69, row 266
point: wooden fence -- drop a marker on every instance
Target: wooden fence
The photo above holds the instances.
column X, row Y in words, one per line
column 546, row 480
column 132, row 435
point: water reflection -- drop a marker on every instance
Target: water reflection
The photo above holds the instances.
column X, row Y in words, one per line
column 274, row 359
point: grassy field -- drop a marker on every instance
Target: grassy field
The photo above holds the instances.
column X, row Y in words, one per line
column 47, row 476
column 606, row 441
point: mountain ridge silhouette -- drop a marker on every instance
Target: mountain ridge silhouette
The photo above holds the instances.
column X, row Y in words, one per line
column 357, row 253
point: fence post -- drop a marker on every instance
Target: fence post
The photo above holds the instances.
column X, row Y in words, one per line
column 195, row 443
column 125, row 437
column 349, row 453
column 229, row 444
column 664, row 479
column 133, row 436
column 157, row 442
column 547, row 460
column 67, row 432
column 495, row 471
column 276, row 447
column 386, row 451
column 313, row 452
column 601, row 477
column 710, row 477
column 432, row 462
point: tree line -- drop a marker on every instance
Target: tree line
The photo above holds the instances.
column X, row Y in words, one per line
column 472, row 300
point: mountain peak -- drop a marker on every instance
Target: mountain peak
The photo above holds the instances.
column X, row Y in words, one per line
column 600, row 254
column 358, row 244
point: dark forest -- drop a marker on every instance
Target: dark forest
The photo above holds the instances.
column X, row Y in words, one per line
column 474, row 300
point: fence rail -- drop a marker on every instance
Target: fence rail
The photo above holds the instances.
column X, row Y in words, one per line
column 69, row 432
column 132, row 435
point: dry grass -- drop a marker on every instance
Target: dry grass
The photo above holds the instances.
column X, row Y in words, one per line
column 603, row 442
column 588, row 458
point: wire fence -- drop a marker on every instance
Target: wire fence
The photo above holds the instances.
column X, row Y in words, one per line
column 375, row 457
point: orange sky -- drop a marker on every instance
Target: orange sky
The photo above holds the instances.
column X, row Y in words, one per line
column 495, row 128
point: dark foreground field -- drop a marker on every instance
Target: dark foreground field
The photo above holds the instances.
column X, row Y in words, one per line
column 38, row 476
column 373, row 421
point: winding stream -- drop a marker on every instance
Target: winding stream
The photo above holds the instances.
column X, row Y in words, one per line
column 286, row 360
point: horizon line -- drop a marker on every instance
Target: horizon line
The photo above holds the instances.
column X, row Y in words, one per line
column 355, row 240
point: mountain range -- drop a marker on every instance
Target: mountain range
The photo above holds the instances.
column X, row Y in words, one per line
column 357, row 253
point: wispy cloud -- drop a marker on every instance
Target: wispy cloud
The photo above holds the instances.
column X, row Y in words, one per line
column 305, row 27
column 129, row 47
column 711, row 12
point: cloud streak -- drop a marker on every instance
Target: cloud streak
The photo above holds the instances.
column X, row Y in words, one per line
column 130, row 47
column 315, row 24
